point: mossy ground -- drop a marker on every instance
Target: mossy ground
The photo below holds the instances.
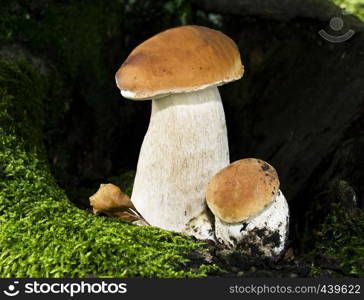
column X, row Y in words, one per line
column 340, row 241
column 355, row 7
column 42, row 234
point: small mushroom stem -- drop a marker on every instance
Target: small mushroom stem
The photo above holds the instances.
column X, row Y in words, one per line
column 185, row 145
column 266, row 232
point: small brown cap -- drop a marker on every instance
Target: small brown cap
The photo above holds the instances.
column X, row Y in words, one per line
column 181, row 59
column 242, row 190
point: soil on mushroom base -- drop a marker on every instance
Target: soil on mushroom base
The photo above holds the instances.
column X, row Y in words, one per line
column 337, row 251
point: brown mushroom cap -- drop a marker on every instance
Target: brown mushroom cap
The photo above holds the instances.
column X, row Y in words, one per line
column 242, row 190
column 181, row 59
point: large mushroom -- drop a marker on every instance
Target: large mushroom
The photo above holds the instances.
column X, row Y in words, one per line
column 186, row 142
column 250, row 211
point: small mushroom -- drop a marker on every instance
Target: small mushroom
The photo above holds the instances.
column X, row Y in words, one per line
column 250, row 211
column 180, row 70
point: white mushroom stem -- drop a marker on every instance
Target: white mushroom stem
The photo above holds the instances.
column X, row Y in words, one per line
column 185, row 145
column 266, row 232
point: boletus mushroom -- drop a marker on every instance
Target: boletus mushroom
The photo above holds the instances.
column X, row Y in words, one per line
column 186, row 142
column 250, row 211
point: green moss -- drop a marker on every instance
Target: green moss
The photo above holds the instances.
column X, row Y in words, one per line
column 42, row 234
column 355, row 7
column 341, row 235
column 342, row 239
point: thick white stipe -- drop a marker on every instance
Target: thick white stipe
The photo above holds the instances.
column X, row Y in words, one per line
column 185, row 145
